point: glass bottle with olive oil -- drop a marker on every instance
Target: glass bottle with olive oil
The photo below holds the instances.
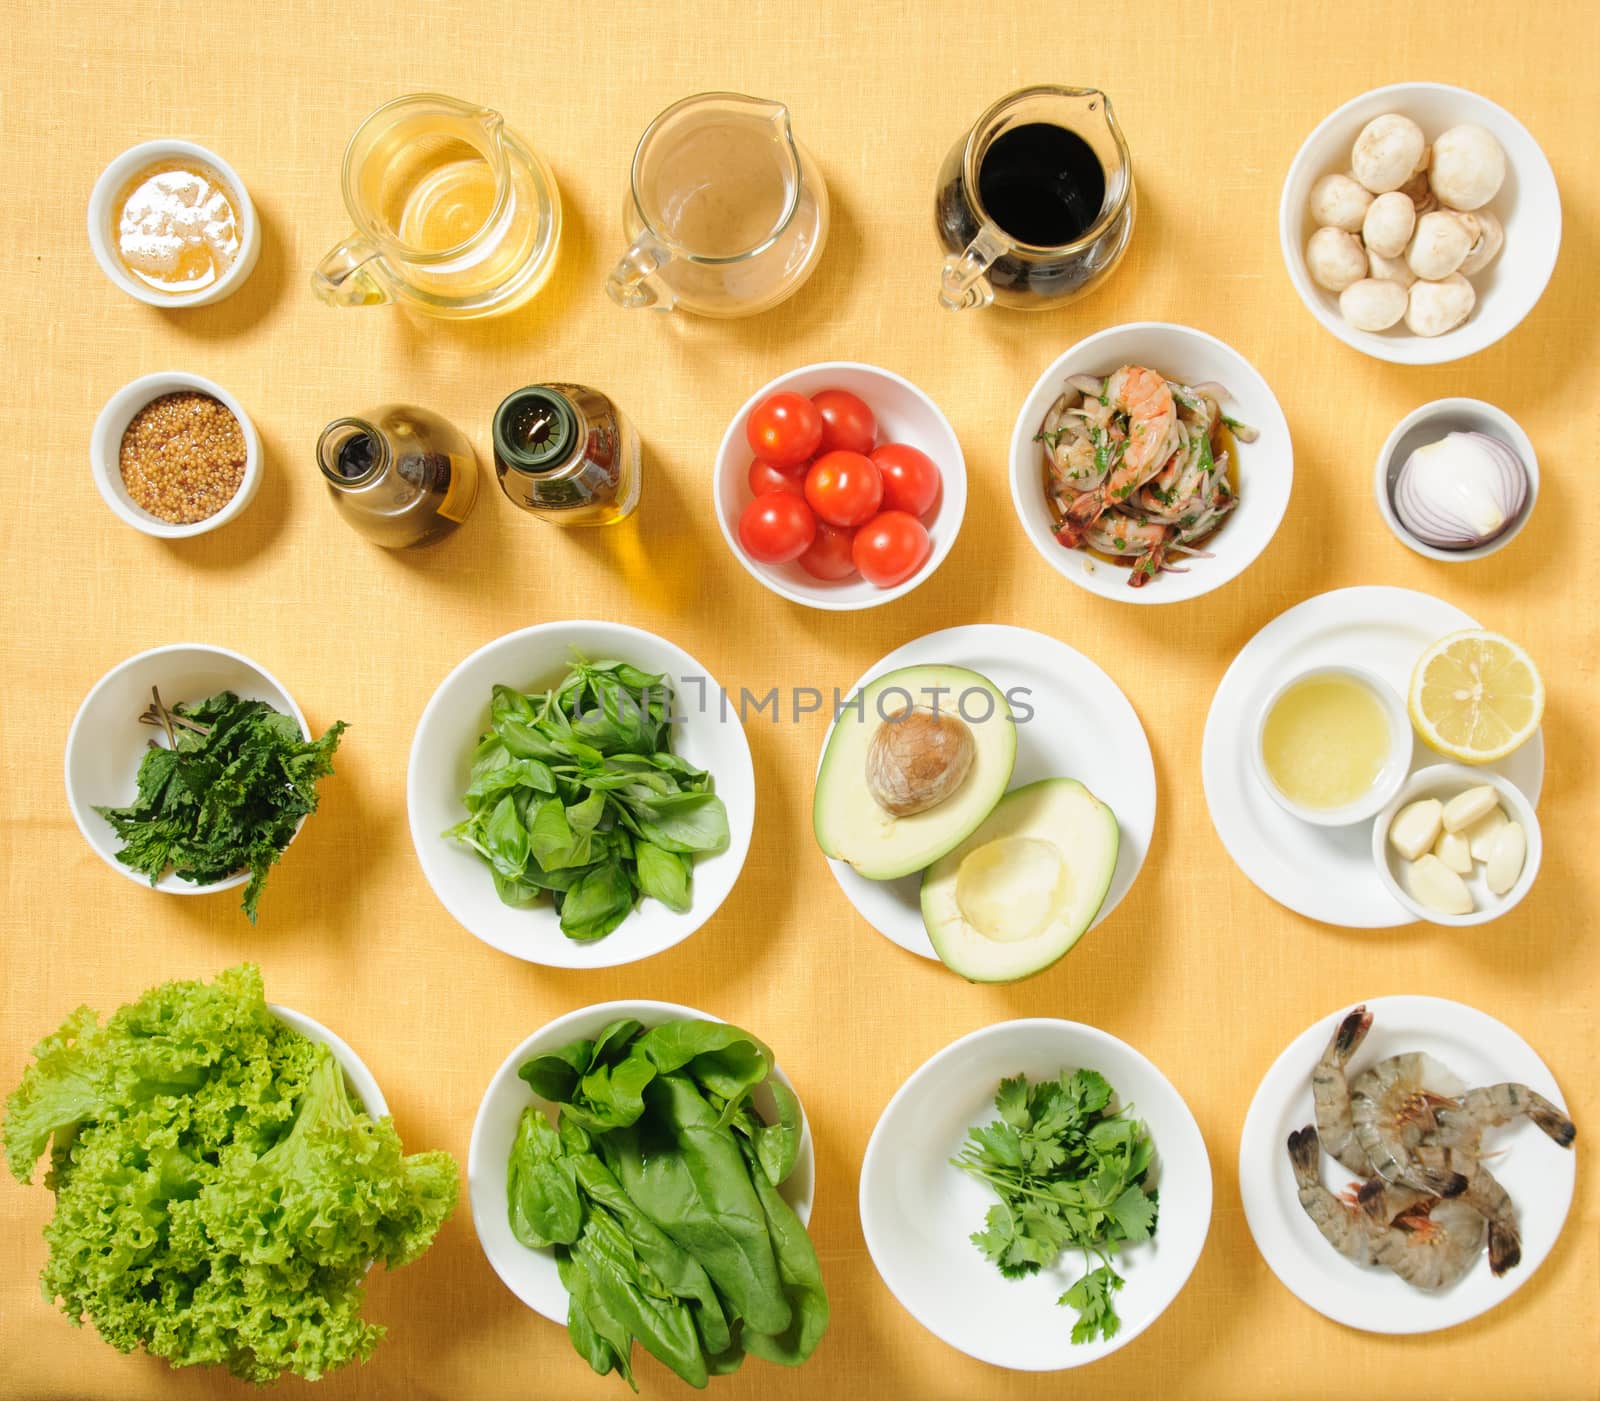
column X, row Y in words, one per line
column 400, row 475
column 567, row 454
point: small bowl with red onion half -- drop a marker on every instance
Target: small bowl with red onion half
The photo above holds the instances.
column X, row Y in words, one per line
column 1456, row 480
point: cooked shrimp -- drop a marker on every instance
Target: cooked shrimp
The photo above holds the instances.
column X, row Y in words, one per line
column 1146, row 400
column 1434, row 1248
column 1330, row 1092
column 1344, row 1226
column 1392, row 1110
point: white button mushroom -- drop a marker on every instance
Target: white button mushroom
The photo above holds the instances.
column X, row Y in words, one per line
column 1388, row 152
column 1437, row 307
column 1420, row 192
column 1388, row 224
column 1339, row 202
column 1373, row 304
column 1389, row 269
column 1489, row 238
column 1468, row 167
column 1335, row 259
column 1439, row 246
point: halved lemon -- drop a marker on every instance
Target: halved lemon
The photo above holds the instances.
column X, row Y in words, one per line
column 1476, row 696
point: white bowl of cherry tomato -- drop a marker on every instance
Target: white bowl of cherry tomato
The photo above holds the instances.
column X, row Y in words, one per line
column 840, row 485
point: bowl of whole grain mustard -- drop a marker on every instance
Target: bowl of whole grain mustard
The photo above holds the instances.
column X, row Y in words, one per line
column 175, row 455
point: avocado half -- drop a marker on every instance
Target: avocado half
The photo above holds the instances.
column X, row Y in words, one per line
column 849, row 824
column 1021, row 890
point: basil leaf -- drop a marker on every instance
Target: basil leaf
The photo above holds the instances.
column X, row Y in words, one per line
column 598, row 903
column 663, row 875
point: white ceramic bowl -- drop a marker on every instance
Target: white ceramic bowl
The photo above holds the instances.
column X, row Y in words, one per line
column 531, row 1274
column 1390, row 776
column 103, row 212
column 107, row 743
column 457, row 715
column 356, row 1074
column 1427, row 425
column 905, row 415
column 1265, row 467
column 1528, row 205
column 1444, row 781
column 105, row 446
column 918, row 1211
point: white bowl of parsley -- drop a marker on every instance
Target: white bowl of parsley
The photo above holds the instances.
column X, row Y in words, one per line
column 1036, row 1194
column 117, row 730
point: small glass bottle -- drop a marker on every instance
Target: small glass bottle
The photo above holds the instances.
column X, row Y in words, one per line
column 567, row 454
column 400, row 475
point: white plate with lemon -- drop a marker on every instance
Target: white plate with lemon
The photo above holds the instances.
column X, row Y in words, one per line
column 1327, row 873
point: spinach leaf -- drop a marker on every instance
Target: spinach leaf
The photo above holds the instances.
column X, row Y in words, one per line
column 541, row 1186
column 725, row 1060
column 777, row 1145
column 800, row 1272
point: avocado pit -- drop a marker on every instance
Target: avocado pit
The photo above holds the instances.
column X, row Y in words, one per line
column 917, row 759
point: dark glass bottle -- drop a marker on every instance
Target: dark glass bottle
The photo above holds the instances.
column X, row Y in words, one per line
column 400, row 475
column 567, row 454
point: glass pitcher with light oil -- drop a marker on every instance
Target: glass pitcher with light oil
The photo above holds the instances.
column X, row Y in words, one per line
column 455, row 214
column 1036, row 203
column 727, row 212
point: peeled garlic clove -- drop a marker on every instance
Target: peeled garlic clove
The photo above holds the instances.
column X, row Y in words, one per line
column 1507, row 852
column 1480, row 836
column 1436, row 886
column 1454, row 850
column 1416, row 827
column 1466, row 808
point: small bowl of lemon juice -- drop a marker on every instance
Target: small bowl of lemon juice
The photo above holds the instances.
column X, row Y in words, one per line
column 1333, row 745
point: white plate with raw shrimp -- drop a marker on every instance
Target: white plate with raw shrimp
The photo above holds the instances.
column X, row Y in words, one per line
column 1537, row 1174
column 1264, row 472
column 1081, row 726
column 1325, row 873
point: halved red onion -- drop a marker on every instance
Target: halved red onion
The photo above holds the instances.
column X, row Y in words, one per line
column 1460, row 491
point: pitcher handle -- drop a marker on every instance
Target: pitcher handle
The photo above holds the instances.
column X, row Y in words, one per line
column 636, row 280
column 963, row 284
column 346, row 276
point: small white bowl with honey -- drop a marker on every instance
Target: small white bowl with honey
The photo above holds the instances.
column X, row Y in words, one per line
column 175, row 455
column 1332, row 745
column 172, row 225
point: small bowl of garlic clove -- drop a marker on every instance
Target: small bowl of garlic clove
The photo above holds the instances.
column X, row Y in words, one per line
column 1457, row 845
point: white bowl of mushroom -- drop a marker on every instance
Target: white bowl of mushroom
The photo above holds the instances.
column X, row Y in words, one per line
column 1420, row 223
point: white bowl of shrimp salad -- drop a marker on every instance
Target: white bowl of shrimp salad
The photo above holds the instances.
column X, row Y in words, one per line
column 1155, row 524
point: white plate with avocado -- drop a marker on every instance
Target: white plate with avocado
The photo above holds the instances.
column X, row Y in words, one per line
column 1325, row 873
column 1068, row 722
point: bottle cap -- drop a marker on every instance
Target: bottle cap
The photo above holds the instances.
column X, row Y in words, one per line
column 535, row 429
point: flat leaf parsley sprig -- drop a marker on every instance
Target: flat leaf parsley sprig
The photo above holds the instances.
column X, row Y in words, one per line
column 1067, row 1174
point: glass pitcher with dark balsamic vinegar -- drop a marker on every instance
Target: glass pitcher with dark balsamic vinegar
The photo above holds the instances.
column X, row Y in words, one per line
column 1036, row 203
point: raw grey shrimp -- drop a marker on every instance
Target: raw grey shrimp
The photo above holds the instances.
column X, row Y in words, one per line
column 1343, row 1225
column 1492, row 1106
column 1484, row 1194
column 1330, row 1092
column 1392, row 1110
column 1434, row 1248
column 1145, row 399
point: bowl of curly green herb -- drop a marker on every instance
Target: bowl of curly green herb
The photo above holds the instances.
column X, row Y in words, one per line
column 1036, row 1194
column 189, row 768
column 581, row 794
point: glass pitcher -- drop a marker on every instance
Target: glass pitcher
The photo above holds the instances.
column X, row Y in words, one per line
column 1036, row 203
column 455, row 214
column 727, row 212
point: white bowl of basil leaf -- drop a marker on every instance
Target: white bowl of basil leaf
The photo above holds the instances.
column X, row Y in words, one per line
column 620, row 1074
column 580, row 794
column 1036, row 1194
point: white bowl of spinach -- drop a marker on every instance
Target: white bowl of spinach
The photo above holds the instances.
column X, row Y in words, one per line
column 1036, row 1194
column 580, row 794
column 640, row 1091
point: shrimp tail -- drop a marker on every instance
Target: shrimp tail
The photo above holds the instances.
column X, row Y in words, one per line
column 1351, row 1033
column 1505, row 1247
column 1303, row 1148
column 1082, row 512
column 1149, row 566
column 1552, row 1122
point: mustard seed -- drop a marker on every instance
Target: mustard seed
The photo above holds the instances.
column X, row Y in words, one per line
column 182, row 457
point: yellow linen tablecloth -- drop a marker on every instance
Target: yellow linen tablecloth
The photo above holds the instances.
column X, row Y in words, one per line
column 1197, row 968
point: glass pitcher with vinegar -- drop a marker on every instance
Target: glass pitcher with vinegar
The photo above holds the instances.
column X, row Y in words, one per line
column 456, row 215
column 1036, row 203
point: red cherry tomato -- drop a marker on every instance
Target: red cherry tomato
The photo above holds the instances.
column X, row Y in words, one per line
column 910, row 478
column 847, row 422
column 890, row 548
column 777, row 527
column 764, row 477
column 844, row 488
column 829, row 556
column 784, row 429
